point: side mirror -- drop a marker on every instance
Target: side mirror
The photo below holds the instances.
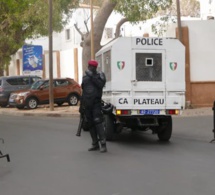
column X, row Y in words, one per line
column 41, row 87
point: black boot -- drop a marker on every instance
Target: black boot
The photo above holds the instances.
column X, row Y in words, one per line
column 103, row 148
column 102, row 137
column 94, row 147
column 95, row 144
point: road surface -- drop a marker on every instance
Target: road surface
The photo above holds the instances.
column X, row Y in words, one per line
column 48, row 159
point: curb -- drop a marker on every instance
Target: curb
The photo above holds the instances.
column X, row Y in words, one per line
column 64, row 111
column 39, row 114
column 68, row 111
column 206, row 111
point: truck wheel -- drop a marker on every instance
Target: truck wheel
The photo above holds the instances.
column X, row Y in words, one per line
column 109, row 127
column 165, row 129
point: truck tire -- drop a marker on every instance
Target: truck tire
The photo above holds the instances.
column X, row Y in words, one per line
column 109, row 126
column 165, row 129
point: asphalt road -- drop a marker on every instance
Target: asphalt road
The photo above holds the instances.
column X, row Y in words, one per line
column 48, row 159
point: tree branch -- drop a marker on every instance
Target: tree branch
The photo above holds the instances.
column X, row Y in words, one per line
column 4, row 24
column 76, row 27
column 118, row 26
column 85, row 23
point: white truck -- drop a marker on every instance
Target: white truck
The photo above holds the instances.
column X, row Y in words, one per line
column 145, row 84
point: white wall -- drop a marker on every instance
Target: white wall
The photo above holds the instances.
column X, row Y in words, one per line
column 207, row 8
column 202, row 48
column 44, row 41
column 67, row 63
column 54, row 65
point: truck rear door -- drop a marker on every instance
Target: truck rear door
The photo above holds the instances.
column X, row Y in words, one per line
column 148, row 81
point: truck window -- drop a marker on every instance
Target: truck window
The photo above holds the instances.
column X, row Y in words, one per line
column 107, row 65
column 99, row 60
column 149, row 66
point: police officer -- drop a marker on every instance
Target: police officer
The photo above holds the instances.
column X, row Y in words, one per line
column 92, row 85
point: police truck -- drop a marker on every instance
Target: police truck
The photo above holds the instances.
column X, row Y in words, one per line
column 145, row 84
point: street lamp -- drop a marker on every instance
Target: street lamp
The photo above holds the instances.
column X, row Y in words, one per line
column 179, row 20
column 51, row 98
column 92, row 30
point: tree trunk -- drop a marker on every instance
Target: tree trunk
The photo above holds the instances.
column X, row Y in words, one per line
column 99, row 25
column 1, row 66
column 1, row 72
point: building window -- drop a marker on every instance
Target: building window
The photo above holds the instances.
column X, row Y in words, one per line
column 68, row 34
column 107, row 64
column 108, row 33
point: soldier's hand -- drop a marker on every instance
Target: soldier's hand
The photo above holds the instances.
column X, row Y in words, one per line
column 89, row 73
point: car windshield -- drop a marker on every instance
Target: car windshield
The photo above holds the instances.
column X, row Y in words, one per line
column 37, row 84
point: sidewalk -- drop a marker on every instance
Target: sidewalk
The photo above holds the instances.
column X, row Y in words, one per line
column 69, row 111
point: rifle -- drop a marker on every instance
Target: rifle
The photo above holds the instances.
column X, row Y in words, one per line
column 81, row 122
column 4, row 155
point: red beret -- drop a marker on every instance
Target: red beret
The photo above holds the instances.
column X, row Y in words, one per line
column 93, row 63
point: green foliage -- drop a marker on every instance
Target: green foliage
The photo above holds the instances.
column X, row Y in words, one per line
column 136, row 10
column 189, row 8
column 160, row 26
column 22, row 19
column 95, row 2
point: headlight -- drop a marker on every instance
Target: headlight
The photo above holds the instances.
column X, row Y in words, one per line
column 23, row 94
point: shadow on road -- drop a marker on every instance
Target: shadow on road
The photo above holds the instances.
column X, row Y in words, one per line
column 129, row 137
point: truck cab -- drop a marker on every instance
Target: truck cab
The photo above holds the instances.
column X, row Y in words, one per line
column 145, row 84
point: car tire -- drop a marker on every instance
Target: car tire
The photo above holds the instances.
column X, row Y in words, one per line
column 20, row 107
column 32, row 103
column 165, row 129
column 73, row 100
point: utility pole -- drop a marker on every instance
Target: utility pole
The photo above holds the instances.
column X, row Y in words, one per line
column 51, row 98
column 179, row 20
column 92, row 30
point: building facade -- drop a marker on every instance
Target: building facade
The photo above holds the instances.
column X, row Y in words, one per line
column 198, row 37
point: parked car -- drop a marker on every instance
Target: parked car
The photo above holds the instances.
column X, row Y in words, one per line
column 10, row 84
column 64, row 90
